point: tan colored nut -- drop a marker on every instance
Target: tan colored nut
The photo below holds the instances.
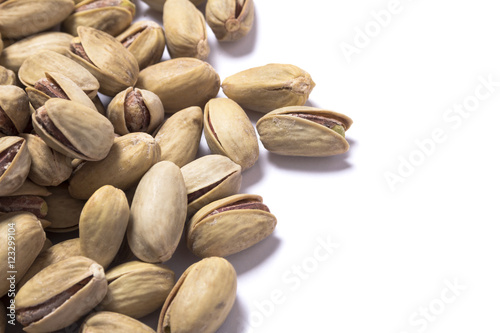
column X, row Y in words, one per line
column 7, row 77
column 1, row 44
column 229, row 132
column 21, row 240
column 14, row 110
column 180, row 83
column 304, row 131
column 269, row 87
column 103, row 223
column 60, row 294
column 64, row 210
column 15, row 163
column 230, row 20
column 30, row 188
column 24, row 203
column 201, row 298
column 136, row 288
column 179, row 137
column 128, row 160
column 106, row 322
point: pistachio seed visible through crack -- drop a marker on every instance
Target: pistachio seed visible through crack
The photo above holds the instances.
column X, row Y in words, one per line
column 26, row 203
column 8, row 155
column 330, row 123
column 77, row 48
column 43, row 119
column 50, row 88
column 244, row 204
column 137, row 116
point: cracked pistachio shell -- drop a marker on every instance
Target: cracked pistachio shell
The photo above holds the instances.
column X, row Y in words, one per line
column 146, row 41
column 214, row 231
column 111, row 63
column 285, row 134
column 20, row 18
column 269, row 87
column 185, row 30
column 103, row 223
column 64, row 210
column 7, row 77
column 229, row 132
column 137, row 288
column 47, row 290
column 15, row 104
column 210, row 178
column 106, row 322
column 179, row 137
column 201, row 298
column 111, row 16
column 15, row 163
column 128, row 160
column 30, row 188
column 158, row 213
column 230, row 20
column 181, row 83
column 27, row 236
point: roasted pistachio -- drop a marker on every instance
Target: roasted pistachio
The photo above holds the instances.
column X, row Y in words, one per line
column 108, row 322
column 64, row 211
column 24, row 203
column 30, row 188
column 230, row 20
column 15, row 164
column 14, row 110
column 7, row 77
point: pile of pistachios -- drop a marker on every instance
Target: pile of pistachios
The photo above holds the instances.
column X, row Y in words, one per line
column 126, row 174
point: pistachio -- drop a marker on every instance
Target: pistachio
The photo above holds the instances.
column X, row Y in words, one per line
column 1, row 44
column 230, row 20
column 15, row 164
column 71, row 288
column 64, row 211
column 159, row 4
column 106, row 322
column 269, row 87
column 7, row 77
column 201, row 298
column 14, row 110
column 229, row 132
column 30, row 188
column 304, row 131
column 24, row 203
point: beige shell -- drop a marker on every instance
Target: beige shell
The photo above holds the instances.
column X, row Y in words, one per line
column 180, row 83
column 30, row 188
column 201, row 298
column 53, row 281
column 13, row 172
column 137, row 288
column 108, row 322
column 158, row 213
column 21, row 233
column 230, row 20
column 128, row 160
column 229, row 132
column 269, row 87
column 103, row 223
column 179, row 137
column 64, row 210
column 7, row 77
column 284, row 134
column 15, row 103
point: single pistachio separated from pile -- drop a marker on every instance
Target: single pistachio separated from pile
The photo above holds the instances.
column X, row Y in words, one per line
column 106, row 322
column 15, row 164
column 7, row 77
column 64, row 210
column 230, row 20
column 14, row 110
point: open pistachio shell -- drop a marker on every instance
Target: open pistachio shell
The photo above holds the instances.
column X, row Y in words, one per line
column 15, row 163
column 106, row 322
column 230, row 20
column 64, row 210
column 7, row 77
column 14, row 110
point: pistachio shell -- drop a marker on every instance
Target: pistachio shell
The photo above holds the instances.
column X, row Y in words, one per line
column 64, row 210
column 106, row 322
column 15, row 104
column 230, row 20
column 7, row 77
column 30, row 188
column 1, row 44
column 15, row 163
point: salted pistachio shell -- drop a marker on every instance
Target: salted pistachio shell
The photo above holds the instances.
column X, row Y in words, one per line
column 210, row 178
column 23, row 234
column 146, row 41
column 201, row 298
column 20, row 18
column 111, row 16
column 24, row 203
column 128, row 160
column 229, row 132
column 158, row 213
column 7, row 77
column 137, row 288
column 64, row 210
column 103, row 223
column 35, row 67
column 60, row 294
column 180, row 83
column 269, row 87
column 109, row 322
column 179, row 137
column 185, row 30
column 106, row 58
column 15, row 163
column 304, row 131
column 30, row 188
column 14, row 110
column 135, row 110
column 230, row 20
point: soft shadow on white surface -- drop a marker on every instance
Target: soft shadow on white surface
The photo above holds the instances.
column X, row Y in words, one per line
column 254, row 256
column 235, row 319
column 251, row 176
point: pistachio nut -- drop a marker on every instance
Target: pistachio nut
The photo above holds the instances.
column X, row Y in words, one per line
column 137, row 288
column 229, row 225
column 15, row 163
column 21, row 240
column 185, row 30
column 201, row 298
column 229, row 132
column 106, row 58
column 230, row 20
column 135, row 110
column 7, row 77
column 304, row 131
column 35, row 67
column 103, row 223
column 30, row 188
column 106, row 322
column 158, row 4
column 146, row 41
column 60, row 294
column 210, row 178
column 14, row 110
column 111, row 16
column 20, row 18
column 24, row 203
column 128, row 160
column 74, row 129
column 179, row 137
column 180, row 83
column 64, row 210
column 269, row 87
